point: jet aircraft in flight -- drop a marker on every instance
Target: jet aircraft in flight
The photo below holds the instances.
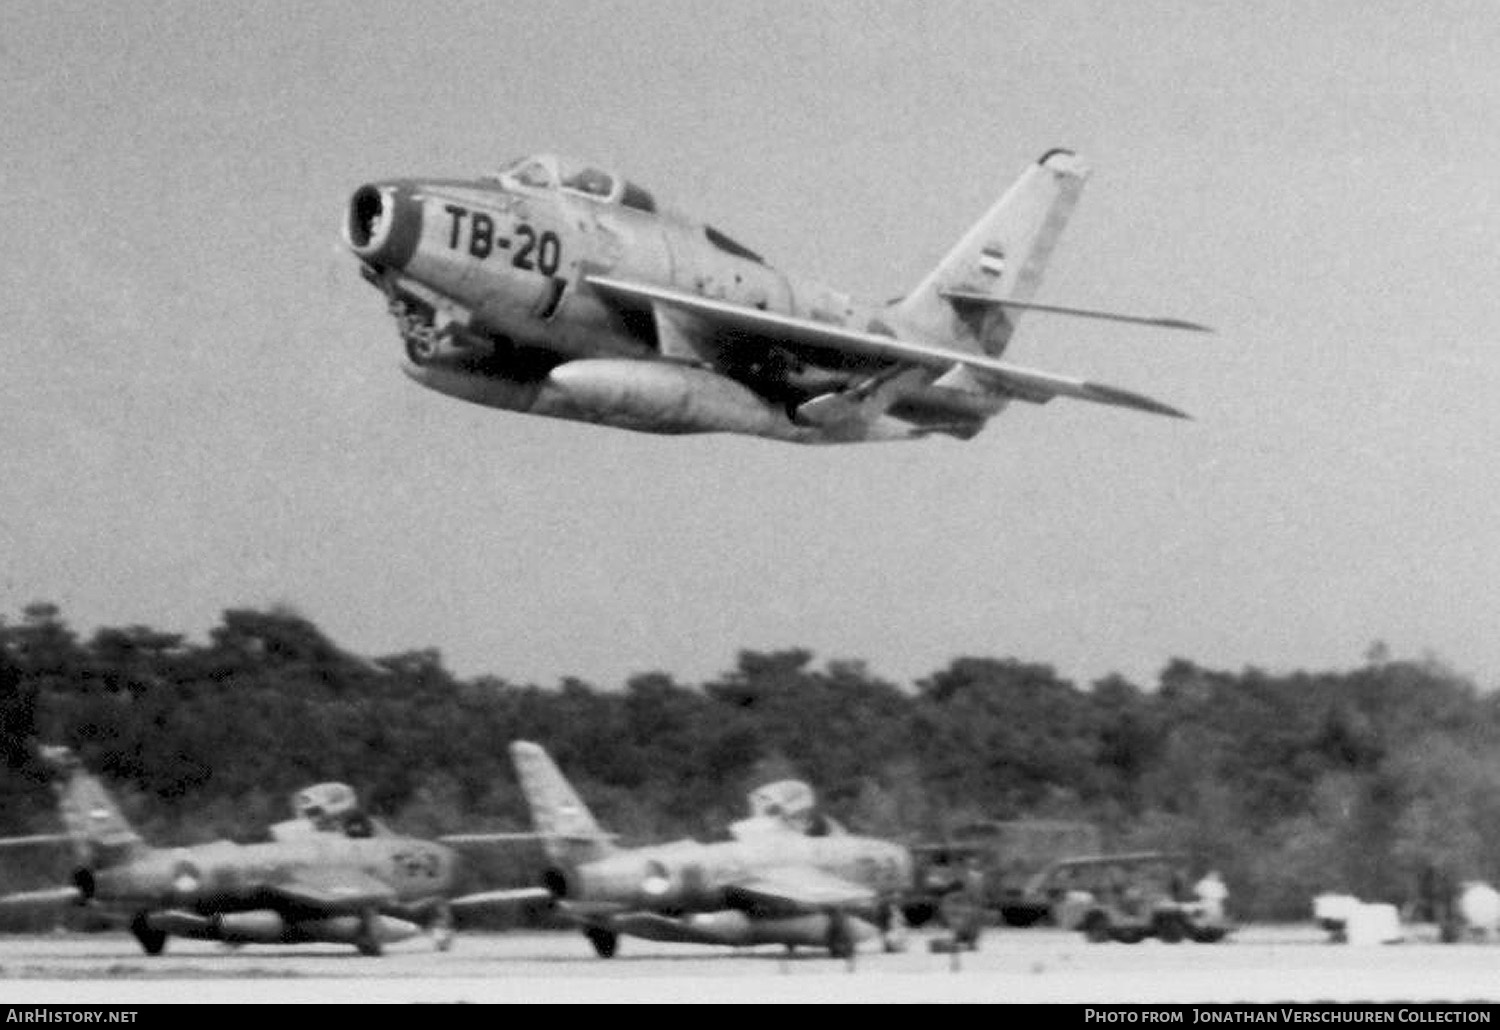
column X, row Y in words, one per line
column 330, row 875
column 558, row 288
column 783, row 880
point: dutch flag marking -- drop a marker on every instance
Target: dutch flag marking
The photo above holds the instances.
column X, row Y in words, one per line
column 992, row 260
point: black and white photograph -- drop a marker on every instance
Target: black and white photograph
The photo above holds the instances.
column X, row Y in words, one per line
column 850, row 501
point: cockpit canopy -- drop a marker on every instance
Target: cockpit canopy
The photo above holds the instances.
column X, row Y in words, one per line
column 551, row 172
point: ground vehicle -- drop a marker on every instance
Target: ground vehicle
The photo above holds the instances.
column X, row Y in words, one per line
column 1006, row 854
column 1127, row 897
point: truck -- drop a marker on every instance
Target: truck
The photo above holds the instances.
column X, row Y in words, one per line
column 1127, row 897
column 1005, row 855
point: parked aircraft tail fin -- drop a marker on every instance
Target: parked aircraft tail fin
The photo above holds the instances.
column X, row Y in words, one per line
column 558, row 814
column 99, row 832
column 1003, row 257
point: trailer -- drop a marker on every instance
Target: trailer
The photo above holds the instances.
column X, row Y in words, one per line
column 1003, row 856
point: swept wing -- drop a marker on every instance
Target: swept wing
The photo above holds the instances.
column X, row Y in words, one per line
column 335, row 890
column 796, row 889
column 1002, row 376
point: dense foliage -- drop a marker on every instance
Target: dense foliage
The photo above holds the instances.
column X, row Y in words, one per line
column 1382, row 780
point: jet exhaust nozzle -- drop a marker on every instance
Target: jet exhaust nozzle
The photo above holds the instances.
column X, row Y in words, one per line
column 558, row 884
column 83, row 881
column 383, row 225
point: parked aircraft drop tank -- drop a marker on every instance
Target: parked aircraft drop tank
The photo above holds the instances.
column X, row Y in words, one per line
column 347, row 929
column 264, row 926
column 182, row 924
column 737, row 929
column 258, row 927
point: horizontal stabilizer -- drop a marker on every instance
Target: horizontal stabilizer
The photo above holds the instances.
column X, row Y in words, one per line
column 34, row 839
column 969, row 297
column 1000, row 376
column 46, row 897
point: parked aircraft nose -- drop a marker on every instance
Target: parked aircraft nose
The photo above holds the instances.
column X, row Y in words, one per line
column 384, row 224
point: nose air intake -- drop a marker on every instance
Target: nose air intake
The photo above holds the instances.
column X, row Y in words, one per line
column 384, row 225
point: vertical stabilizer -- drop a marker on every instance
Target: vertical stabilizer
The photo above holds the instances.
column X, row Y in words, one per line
column 558, row 814
column 1003, row 256
column 100, row 835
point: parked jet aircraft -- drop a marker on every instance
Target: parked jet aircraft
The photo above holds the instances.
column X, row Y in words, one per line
column 331, row 875
column 560, row 289
column 774, row 884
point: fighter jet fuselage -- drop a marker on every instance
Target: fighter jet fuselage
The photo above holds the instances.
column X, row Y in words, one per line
column 776, row 883
column 256, row 893
column 560, row 289
column 356, row 884
column 693, row 876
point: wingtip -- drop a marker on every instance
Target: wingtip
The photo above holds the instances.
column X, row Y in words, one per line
column 1166, row 410
column 1192, row 327
column 1130, row 399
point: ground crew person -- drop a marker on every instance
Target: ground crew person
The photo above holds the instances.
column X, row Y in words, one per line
column 1212, row 894
column 963, row 909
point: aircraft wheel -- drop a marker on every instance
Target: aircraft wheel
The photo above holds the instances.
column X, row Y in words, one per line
column 840, row 936
column 919, row 913
column 892, row 928
column 1170, row 929
column 605, row 942
column 1096, row 928
column 153, row 942
column 419, row 352
column 442, row 929
column 368, row 941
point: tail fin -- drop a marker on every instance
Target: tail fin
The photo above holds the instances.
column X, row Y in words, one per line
column 99, row 833
column 558, row 814
column 1003, row 256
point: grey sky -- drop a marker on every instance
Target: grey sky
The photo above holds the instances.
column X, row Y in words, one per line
column 202, row 406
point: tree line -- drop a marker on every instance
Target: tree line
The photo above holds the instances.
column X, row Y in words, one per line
column 1382, row 780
